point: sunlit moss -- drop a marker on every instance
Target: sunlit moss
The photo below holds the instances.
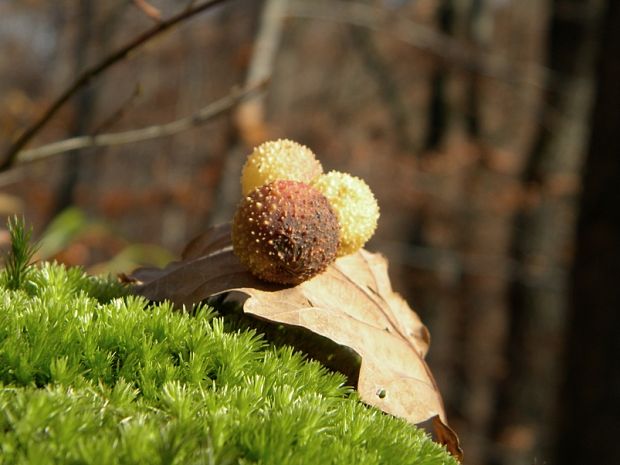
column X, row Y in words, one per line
column 89, row 374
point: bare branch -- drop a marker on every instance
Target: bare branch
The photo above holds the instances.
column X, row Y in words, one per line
column 148, row 9
column 11, row 177
column 89, row 74
column 203, row 115
column 251, row 115
column 119, row 112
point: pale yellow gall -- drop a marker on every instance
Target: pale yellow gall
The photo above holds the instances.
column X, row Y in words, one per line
column 355, row 206
column 279, row 160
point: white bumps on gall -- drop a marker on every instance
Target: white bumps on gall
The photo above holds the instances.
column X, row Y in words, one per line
column 279, row 160
column 285, row 232
column 355, row 206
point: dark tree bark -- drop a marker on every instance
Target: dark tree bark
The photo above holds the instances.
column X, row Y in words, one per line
column 379, row 69
column 526, row 395
column 590, row 399
column 438, row 105
column 472, row 98
column 84, row 109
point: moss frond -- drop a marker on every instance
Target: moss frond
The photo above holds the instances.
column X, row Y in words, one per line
column 17, row 261
column 89, row 374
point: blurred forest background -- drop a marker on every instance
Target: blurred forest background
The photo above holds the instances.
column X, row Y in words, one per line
column 481, row 125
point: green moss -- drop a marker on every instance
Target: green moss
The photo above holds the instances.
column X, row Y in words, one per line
column 17, row 260
column 91, row 375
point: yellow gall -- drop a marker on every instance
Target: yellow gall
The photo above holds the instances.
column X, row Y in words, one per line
column 355, row 206
column 279, row 160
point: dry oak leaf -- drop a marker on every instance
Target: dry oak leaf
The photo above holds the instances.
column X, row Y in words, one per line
column 351, row 305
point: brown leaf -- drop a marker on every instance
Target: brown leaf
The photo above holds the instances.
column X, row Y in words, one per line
column 351, row 305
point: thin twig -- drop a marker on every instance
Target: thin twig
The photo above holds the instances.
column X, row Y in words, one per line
column 138, row 135
column 119, row 112
column 190, row 4
column 11, row 177
column 89, row 74
column 148, row 9
column 267, row 41
column 251, row 115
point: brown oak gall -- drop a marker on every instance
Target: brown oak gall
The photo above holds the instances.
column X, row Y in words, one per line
column 285, row 232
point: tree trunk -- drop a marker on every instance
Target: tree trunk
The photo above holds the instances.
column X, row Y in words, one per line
column 542, row 232
column 83, row 107
column 438, row 108
column 590, row 400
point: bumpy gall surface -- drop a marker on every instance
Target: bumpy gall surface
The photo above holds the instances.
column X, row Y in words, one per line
column 285, row 232
column 280, row 159
column 355, row 206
